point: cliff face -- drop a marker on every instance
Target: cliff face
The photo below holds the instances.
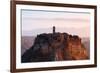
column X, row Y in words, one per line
column 55, row 47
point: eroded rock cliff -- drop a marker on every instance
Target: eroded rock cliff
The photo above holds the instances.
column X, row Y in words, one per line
column 55, row 47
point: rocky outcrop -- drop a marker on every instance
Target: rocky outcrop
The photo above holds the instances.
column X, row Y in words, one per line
column 55, row 47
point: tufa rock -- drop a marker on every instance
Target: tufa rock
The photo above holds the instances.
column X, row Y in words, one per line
column 55, row 47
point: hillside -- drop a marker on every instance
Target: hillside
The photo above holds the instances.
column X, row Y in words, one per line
column 55, row 47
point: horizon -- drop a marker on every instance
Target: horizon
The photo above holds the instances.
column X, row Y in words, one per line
column 71, row 31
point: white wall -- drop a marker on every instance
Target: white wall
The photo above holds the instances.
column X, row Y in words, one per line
column 5, row 36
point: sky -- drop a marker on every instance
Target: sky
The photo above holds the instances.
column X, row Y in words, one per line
column 41, row 21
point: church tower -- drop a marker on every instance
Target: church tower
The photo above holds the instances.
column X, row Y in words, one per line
column 53, row 29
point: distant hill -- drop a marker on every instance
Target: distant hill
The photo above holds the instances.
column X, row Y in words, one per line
column 86, row 42
column 26, row 43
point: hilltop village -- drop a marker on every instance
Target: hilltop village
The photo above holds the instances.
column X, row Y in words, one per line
column 55, row 46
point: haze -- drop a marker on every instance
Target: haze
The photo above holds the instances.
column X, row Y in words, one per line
column 35, row 22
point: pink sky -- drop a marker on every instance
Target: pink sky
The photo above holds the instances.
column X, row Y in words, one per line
column 70, row 22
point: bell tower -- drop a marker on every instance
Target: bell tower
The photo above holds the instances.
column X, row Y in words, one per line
column 53, row 29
